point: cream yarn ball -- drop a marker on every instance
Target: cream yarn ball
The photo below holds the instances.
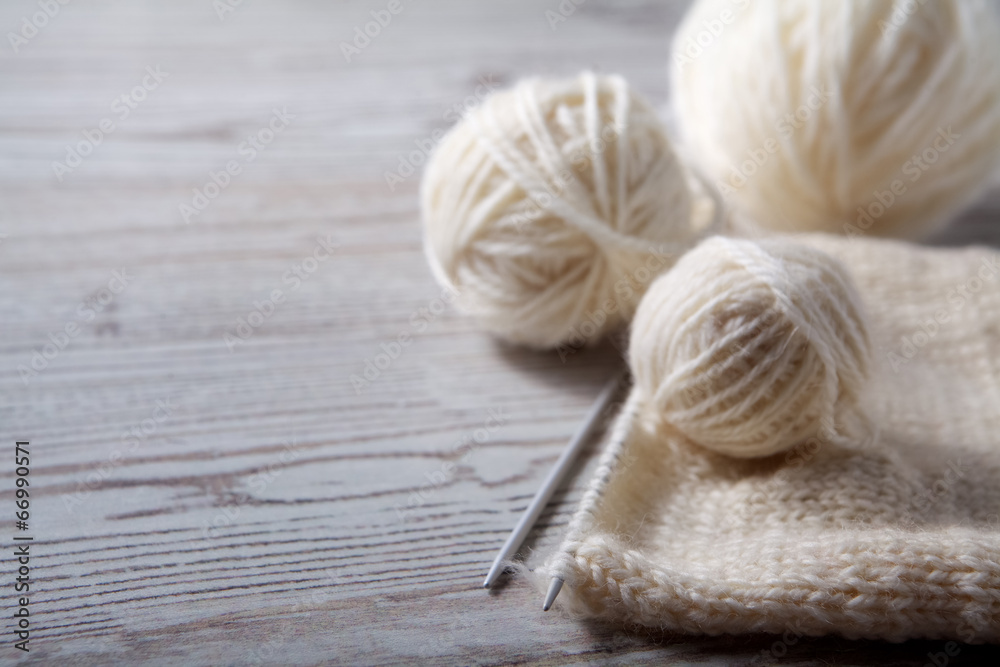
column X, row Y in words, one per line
column 750, row 348
column 551, row 207
column 860, row 116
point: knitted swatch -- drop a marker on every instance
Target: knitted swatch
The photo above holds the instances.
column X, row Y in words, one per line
column 890, row 535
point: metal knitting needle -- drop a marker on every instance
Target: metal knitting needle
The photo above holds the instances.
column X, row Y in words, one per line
column 551, row 483
column 554, row 589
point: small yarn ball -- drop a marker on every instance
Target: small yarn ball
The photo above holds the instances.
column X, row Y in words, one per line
column 873, row 117
column 751, row 348
column 550, row 208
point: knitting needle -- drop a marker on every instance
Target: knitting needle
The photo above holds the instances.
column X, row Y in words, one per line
column 554, row 589
column 551, row 482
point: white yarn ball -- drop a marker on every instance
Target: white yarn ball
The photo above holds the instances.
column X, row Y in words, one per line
column 551, row 207
column 856, row 116
column 750, row 348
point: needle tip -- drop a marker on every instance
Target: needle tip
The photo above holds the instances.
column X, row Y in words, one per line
column 495, row 571
column 554, row 589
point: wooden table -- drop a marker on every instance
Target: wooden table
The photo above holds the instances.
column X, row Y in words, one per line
column 208, row 485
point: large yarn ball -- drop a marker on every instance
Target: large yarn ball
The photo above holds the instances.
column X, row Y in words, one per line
column 873, row 117
column 550, row 208
column 751, row 348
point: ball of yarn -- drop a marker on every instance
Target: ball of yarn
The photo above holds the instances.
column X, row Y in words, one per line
column 750, row 348
column 550, row 208
column 873, row 117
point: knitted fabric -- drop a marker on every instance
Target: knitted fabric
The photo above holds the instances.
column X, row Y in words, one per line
column 895, row 535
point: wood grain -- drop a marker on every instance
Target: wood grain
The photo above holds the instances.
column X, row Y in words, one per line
column 270, row 511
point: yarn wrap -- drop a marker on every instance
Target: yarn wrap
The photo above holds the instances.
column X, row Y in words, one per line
column 873, row 117
column 750, row 348
column 546, row 207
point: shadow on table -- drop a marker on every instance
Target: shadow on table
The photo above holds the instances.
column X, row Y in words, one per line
column 979, row 226
column 761, row 649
